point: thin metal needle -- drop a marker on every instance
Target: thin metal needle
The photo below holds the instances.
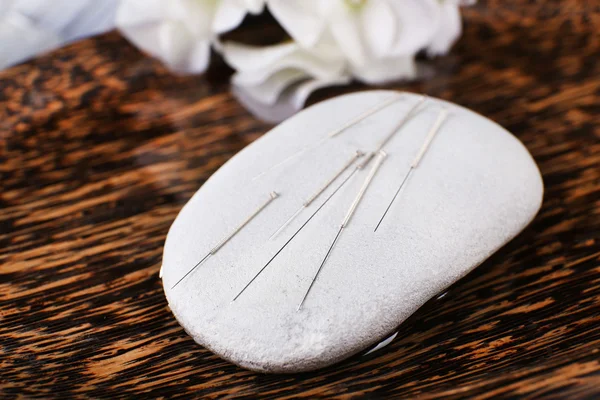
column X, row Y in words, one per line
column 394, row 198
column 428, row 139
column 359, row 167
column 364, row 115
column 312, row 283
column 332, row 134
column 401, row 123
column 346, row 221
column 319, row 191
column 192, row 270
column 286, row 223
column 385, row 140
column 214, row 250
column 291, row 157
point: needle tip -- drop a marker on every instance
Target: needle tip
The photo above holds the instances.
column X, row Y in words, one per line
column 380, row 221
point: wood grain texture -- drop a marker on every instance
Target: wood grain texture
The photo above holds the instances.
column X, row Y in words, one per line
column 100, row 147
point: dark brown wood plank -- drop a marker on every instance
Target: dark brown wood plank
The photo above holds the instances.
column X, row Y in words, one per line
column 101, row 146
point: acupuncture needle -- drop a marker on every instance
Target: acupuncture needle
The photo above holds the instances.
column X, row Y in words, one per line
column 362, row 165
column 385, row 140
column 214, row 250
column 333, row 133
column 401, row 123
column 359, row 167
column 428, row 139
column 381, row 156
column 320, row 191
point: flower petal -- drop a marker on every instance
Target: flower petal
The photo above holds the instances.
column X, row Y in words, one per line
column 174, row 43
column 346, row 29
column 380, row 27
column 269, row 91
column 246, row 57
column 300, row 19
column 6, row 6
column 229, row 14
column 448, row 31
column 262, row 62
column 417, row 22
column 195, row 15
column 198, row 58
column 289, row 102
column 177, row 32
column 48, row 15
column 301, row 92
column 386, row 70
column 30, row 27
column 21, row 39
column 95, row 18
column 181, row 51
column 135, row 12
column 254, row 6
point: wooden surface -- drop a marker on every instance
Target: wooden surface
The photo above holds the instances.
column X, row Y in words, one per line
column 100, row 147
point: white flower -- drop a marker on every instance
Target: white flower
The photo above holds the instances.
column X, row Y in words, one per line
column 31, row 27
column 449, row 27
column 180, row 32
column 265, row 75
column 374, row 41
column 378, row 38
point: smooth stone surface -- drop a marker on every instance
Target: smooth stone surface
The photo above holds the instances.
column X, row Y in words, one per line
column 475, row 189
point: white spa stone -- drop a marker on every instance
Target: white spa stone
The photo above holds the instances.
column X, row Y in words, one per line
column 476, row 188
